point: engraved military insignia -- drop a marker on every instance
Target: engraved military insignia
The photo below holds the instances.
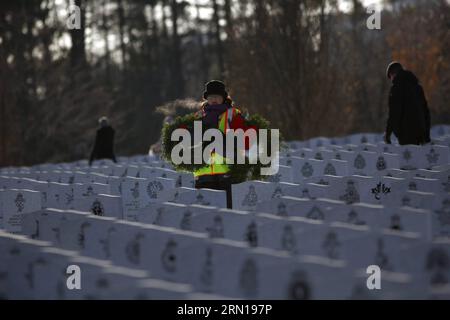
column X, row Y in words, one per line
column 82, row 234
column 97, row 208
column 380, row 189
column 407, row 155
column 330, row 170
column 153, row 188
column 20, row 202
column 432, row 157
column 446, row 185
column 168, row 257
column 331, row 245
column 305, row 194
column 57, row 234
column 206, row 276
column 44, row 197
column 288, row 240
column 185, row 223
column 381, row 259
column 69, row 197
column 444, row 213
column 381, row 163
column 395, row 222
column 251, row 198
column 248, row 278
column 133, row 249
column 135, row 190
column 200, row 199
column 406, row 201
column 412, row 186
column 89, row 191
column 216, row 230
column 36, row 233
column 359, row 162
column 277, row 193
column 105, row 243
column 315, row 213
column 178, row 182
column 251, row 235
column 351, row 193
column 281, row 209
column 159, row 216
column 289, row 162
column 307, row 170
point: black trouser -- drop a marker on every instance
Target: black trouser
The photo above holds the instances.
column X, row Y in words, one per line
column 216, row 182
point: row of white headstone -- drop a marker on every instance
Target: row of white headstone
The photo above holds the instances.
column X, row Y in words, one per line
column 142, row 231
column 244, row 255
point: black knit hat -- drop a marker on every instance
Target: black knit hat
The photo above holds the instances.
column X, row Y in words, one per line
column 394, row 66
column 215, row 87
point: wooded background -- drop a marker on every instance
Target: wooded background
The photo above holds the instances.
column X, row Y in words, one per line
column 306, row 65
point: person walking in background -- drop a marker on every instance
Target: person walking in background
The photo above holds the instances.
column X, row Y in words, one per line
column 409, row 117
column 104, row 142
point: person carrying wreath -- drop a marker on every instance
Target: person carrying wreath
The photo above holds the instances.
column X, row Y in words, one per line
column 218, row 111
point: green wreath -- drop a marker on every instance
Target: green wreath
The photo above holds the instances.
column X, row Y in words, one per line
column 239, row 173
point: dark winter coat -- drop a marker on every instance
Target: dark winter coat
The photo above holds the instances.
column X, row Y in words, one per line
column 104, row 144
column 409, row 117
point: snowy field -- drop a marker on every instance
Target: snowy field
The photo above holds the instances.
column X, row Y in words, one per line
column 139, row 230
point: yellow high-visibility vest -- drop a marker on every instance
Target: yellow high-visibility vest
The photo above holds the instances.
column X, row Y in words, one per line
column 216, row 163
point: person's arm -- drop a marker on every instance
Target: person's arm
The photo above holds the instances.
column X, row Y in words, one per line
column 395, row 112
column 94, row 150
column 426, row 113
column 113, row 153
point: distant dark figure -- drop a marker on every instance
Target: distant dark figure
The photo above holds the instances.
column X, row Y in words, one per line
column 409, row 117
column 104, row 142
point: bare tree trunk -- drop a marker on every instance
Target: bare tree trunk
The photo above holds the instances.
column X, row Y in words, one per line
column 229, row 21
column 107, row 57
column 121, row 16
column 78, row 51
column 219, row 47
column 204, row 63
column 177, row 87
